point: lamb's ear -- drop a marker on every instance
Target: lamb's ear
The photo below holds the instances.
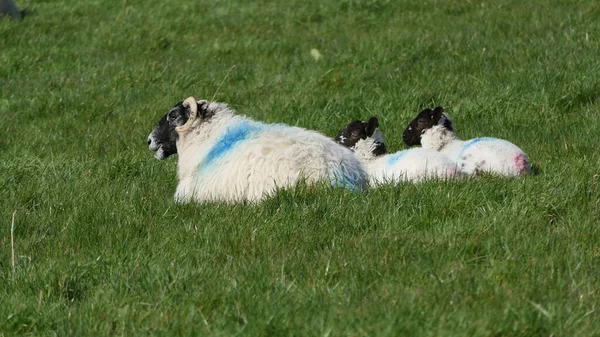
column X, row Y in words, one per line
column 437, row 114
column 372, row 125
column 192, row 108
column 446, row 122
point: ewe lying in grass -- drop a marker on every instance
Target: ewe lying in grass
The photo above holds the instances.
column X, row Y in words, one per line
column 433, row 130
column 224, row 157
column 409, row 165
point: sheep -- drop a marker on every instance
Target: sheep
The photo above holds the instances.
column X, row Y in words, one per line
column 411, row 165
column 434, row 130
column 225, row 157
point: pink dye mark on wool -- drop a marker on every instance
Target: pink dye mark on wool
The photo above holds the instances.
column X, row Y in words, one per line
column 521, row 164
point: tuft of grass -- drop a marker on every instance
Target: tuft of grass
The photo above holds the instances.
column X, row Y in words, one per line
column 101, row 248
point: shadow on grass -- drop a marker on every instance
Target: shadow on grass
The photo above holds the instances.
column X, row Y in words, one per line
column 22, row 12
column 536, row 169
column 575, row 101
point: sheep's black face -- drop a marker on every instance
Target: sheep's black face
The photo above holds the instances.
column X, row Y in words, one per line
column 163, row 140
column 352, row 133
column 357, row 130
column 425, row 120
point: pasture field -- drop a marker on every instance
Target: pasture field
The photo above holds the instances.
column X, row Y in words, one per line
column 101, row 248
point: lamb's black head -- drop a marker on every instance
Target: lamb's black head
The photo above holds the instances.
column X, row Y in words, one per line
column 425, row 120
column 357, row 130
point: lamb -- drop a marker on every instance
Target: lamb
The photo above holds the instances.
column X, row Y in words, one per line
column 225, row 157
column 434, row 130
column 411, row 165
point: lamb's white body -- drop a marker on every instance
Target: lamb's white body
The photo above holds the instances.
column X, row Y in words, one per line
column 412, row 165
column 230, row 158
column 479, row 154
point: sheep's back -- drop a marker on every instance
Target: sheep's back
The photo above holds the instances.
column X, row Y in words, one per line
column 255, row 159
column 411, row 165
column 492, row 155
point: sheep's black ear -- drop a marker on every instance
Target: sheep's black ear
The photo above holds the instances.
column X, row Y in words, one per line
column 372, row 125
column 203, row 110
column 446, row 122
column 437, row 114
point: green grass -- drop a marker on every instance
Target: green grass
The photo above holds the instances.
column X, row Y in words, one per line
column 101, row 249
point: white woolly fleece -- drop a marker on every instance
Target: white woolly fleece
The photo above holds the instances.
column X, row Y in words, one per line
column 411, row 165
column 479, row 154
column 230, row 158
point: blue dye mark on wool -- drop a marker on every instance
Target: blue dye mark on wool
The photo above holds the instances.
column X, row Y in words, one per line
column 355, row 183
column 232, row 137
column 473, row 142
column 394, row 158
